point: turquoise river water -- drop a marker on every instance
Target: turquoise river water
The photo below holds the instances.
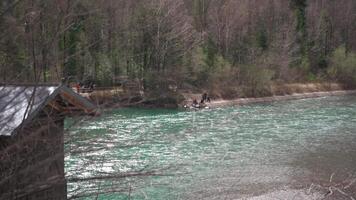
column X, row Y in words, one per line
column 224, row 153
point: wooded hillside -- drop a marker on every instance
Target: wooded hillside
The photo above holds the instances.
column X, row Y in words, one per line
column 193, row 43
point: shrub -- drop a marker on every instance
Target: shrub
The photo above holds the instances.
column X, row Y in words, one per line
column 343, row 66
column 209, row 68
column 256, row 81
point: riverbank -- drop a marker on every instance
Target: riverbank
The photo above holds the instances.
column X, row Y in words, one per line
column 109, row 99
column 280, row 93
column 243, row 101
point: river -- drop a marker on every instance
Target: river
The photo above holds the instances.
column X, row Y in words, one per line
column 281, row 150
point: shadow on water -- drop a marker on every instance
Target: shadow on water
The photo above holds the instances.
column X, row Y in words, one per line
column 329, row 169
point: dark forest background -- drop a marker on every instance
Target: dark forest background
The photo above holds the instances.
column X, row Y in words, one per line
column 190, row 43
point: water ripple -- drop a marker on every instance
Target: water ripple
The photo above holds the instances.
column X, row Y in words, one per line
column 231, row 151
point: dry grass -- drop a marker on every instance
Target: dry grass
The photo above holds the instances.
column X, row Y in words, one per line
column 295, row 88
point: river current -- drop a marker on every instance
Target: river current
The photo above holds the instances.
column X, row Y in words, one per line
column 293, row 148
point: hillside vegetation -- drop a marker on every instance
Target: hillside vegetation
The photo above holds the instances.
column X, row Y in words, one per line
column 224, row 46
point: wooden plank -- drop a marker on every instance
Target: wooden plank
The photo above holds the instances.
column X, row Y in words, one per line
column 75, row 102
column 56, row 106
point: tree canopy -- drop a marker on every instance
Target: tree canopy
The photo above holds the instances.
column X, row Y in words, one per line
column 201, row 43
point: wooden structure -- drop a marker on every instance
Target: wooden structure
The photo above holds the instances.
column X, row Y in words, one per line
column 31, row 139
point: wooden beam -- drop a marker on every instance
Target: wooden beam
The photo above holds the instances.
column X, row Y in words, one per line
column 75, row 102
column 56, row 106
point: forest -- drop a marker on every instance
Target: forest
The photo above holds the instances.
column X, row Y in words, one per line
column 231, row 46
column 169, row 54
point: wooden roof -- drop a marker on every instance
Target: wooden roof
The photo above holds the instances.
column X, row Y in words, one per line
column 19, row 104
